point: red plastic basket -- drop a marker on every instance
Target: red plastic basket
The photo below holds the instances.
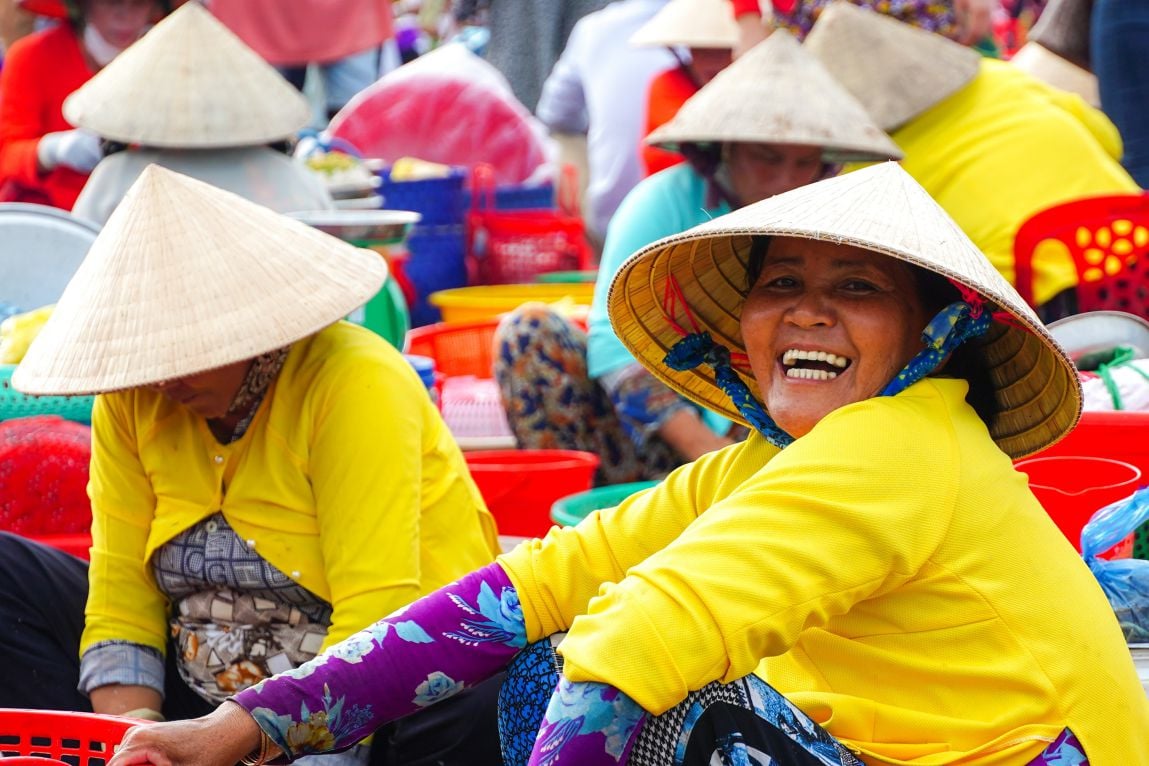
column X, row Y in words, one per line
column 515, row 246
column 78, row 739
column 520, row 486
column 458, row 348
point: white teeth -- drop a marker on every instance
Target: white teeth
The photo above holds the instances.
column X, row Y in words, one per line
column 790, row 356
column 807, row 374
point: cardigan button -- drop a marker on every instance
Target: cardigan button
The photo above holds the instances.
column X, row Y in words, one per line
column 218, row 459
column 295, row 574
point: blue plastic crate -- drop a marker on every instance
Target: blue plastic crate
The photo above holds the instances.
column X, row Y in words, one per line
column 522, row 197
column 440, row 201
column 437, row 262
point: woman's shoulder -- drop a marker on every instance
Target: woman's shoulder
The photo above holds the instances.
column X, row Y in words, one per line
column 46, row 43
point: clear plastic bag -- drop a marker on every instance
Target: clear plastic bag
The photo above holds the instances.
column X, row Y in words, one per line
column 1124, row 581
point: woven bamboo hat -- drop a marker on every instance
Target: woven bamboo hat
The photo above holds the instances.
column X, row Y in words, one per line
column 185, row 277
column 897, row 71
column 690, row 23
column 880, row 208
column 189, row 83
column 777, row 93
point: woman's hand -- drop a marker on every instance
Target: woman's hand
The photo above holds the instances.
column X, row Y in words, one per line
column 218, row 739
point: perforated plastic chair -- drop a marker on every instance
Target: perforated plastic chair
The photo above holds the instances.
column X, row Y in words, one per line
column 1107, row 238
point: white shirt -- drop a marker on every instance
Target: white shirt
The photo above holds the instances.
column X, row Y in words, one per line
column 599, row 86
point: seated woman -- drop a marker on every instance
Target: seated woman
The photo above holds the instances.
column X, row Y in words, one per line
column 773, row 121
column 865, row 579
column 990, row 143
column 191, row 97
column 44, row 158
column 266, row 480
column 705, row 29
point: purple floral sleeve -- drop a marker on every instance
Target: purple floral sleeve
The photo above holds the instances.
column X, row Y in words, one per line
column 590, row 724
column 443, row 643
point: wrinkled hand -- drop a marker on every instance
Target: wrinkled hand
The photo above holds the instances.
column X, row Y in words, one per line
column 218, row 739
column 75, row 149
column 974, row 19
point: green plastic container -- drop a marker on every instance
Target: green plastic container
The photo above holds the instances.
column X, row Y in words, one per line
column 14, row 404
column 568, row 276
column 386, row 314
column 570, row 510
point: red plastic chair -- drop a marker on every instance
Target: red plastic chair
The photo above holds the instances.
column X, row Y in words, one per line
column 1108, row 239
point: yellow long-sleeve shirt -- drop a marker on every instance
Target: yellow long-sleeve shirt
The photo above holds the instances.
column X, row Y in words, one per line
column 347, row 480
column 1007, row 146
column 889, row 572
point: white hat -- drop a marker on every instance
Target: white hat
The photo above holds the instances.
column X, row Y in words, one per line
column 777, row 93
column 189, row 83
column 880, row 208
column 690, row 23
column 1047, row 66
column 185, row 277
column 897, row 71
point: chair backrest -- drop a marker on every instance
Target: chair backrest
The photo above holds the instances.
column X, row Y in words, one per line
column 1107, row 238
column 40, row 249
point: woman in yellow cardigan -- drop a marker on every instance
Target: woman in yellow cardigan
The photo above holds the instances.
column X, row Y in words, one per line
column 266, row 479
column 864, row 580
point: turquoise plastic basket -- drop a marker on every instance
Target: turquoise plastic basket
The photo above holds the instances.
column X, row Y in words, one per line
column 570, row 510
column 14, row 404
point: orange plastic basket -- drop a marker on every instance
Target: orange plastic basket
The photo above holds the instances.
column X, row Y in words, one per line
column 458, row 348
column 78, row 739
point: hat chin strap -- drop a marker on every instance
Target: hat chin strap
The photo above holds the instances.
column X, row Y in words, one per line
column 950, row 327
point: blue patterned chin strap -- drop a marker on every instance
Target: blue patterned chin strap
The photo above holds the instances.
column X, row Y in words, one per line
column 951, row 327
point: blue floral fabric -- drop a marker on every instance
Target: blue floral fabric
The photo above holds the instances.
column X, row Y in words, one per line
column 447, row 641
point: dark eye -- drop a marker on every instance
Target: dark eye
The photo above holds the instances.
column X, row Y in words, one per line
column 858, row 286
column 780, row 283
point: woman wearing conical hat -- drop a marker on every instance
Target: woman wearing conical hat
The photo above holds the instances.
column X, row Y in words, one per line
column 866, row 579
column 700, row 34
column 44, row 158
column 190, row 96
column 772, row 121
column 266, row 479
column 990, row 143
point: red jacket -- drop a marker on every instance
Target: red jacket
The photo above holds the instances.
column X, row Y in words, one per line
column 40, row 71
column 668, row 92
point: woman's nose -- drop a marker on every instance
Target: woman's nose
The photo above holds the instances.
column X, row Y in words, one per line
column 810, row 309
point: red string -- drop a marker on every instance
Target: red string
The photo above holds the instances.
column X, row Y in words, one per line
column 672, row 298
column 977, row 303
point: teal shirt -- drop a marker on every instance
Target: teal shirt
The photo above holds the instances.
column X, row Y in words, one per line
column 666, row 203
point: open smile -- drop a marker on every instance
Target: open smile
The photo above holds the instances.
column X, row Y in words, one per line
column 813, row 364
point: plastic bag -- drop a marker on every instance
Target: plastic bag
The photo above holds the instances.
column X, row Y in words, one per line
column 1124, row 581
column 18, row 331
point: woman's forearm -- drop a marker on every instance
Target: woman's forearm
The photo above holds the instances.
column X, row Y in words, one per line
column 117, row 699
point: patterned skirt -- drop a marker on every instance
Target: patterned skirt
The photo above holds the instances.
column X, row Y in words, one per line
column 745, row 722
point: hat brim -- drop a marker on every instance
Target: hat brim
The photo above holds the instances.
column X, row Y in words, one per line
column 1037, row 393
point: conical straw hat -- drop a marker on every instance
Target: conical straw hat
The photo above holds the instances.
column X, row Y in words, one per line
column 189, row 83
column 1047, row 66
column 778, row 93
column 690, row 23
column 897, row 71
column 185, row 277
column 880, row 208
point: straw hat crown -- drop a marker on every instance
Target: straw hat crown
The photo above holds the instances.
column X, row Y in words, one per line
column 690, row 23
column 882, row 209
column 778, row 93
column 1047, row 66
column 185, row 277
column 189, row 83
column 897, row 71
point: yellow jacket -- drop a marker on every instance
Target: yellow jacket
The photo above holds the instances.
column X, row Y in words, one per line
column 347, row 480
column 1007, row 146
column 889, row 572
